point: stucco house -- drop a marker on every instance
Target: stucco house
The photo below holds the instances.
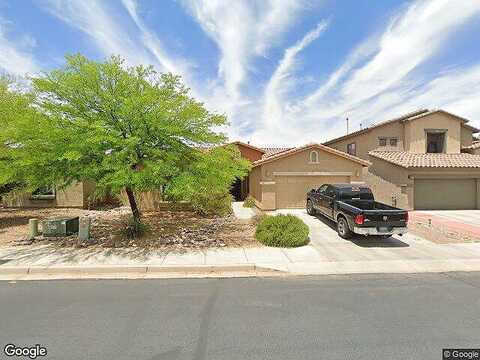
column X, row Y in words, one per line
column 75, row 195
column 422, row 160
column 281, row 177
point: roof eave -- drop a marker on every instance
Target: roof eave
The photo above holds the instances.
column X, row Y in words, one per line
column 305, row 147
column 248, row 146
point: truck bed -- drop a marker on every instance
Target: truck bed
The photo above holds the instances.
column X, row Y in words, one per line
column 369, row 205
column 376, row 213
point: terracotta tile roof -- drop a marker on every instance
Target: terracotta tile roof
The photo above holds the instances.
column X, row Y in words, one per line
column 269, row 151
column 292, row 151
column 475, row 145
column 410, row 160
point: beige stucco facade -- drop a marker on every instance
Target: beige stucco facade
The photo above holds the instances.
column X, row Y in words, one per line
column 283, row 182
column 75, row 195
column 415, row 133
column 368, row 140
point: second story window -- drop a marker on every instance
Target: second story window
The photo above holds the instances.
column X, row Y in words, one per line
column 435, row 141
column 313, row 157
column 393, row 142
column 352, row 149
column 382, row 141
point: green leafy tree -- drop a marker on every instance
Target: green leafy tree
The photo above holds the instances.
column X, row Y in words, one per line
column 206, row 182
column 15, row 111
column 125, row 128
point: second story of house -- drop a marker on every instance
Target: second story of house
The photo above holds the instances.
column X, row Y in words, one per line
column 419, row 132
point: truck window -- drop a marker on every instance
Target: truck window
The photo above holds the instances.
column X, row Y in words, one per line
column 356, row 193
column 322, row 189
column 330, row 191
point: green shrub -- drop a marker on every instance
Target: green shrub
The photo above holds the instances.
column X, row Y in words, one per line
column 131, row 228
column 208, row 204
column 249, row 202
column 282, row 231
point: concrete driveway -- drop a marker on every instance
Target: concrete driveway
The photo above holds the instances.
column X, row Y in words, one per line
column 463, row 222
column 400, row 248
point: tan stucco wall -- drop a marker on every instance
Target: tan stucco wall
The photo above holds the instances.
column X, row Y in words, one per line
column 74, row 195
column 265, row 179
column 255, row 187
column 390, row 183
column 300, row 162
column 466, row 136
column 415, row 136
column 368, row 141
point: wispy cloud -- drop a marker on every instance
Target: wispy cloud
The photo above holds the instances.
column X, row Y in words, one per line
column 151, row 41
column 379, row 77
column 16, row 57
column 94, row 19
column 242, row 30
column 282, row 81
column 409, row 41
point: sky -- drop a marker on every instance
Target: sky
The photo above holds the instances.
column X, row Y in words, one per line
column 284, row 72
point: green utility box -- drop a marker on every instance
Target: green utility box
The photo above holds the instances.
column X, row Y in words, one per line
column 60, row 226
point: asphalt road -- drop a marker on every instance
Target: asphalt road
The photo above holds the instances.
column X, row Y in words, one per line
column 334, row 317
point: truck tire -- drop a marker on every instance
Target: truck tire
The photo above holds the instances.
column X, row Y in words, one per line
column 342, row 228
column 310, row 209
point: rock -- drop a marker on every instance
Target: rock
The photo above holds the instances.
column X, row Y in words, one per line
column 24, row 241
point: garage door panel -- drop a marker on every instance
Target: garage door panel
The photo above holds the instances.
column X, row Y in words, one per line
column 291, row 191
column 445, row 194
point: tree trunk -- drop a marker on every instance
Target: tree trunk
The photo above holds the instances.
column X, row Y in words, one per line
column 133, row 204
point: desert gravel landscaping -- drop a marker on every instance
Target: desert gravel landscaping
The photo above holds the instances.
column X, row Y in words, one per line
column 166, row 229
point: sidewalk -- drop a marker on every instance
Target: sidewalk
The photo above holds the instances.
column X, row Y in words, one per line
column 48, row 262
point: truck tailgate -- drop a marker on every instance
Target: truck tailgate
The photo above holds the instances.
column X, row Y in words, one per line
column 381, row 218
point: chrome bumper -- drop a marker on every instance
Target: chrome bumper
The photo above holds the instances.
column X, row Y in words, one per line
column 374, row 231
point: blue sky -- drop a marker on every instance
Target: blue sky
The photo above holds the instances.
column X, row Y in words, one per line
column 285, row 72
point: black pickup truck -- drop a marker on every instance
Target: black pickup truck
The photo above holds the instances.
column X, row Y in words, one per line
column 355, row 210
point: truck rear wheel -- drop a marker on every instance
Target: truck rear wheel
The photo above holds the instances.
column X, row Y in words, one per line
column 342, row 228
column 310, row 208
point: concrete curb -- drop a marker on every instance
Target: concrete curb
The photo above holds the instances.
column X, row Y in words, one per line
column 127, row 271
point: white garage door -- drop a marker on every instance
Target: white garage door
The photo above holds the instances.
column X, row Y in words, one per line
column 445, row 194
column 291, row 191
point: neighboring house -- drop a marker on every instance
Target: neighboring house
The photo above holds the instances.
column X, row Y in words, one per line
column 281, row 177
column 419, row 160
column 472, row 149
column 75, row 195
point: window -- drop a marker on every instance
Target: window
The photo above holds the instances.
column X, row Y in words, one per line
column 352, row 149
column 390, row 141
column 44, row 192
column 436, row 141
column 313, row 157
column 322, row 189
column 330, row 191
